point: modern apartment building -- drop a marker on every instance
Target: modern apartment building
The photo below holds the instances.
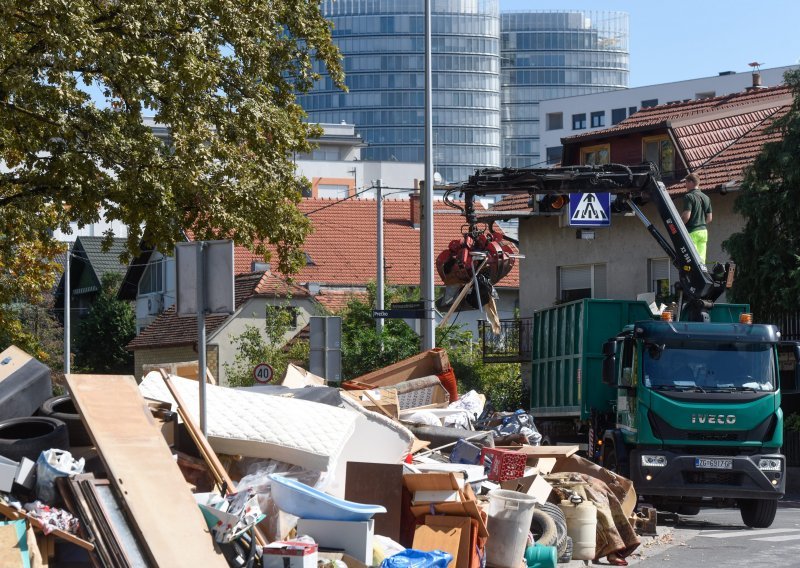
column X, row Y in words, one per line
column 554, row 54
column 571, row 115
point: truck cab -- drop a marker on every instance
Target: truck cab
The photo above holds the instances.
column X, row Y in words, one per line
column 698, row 416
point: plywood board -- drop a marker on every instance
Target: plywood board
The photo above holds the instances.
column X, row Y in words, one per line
column 143, row 471
column 446, row 539
column 378, row 484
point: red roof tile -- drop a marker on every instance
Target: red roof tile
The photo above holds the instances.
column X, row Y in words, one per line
column 341, row 248
column 170, row 330
column 336, row 301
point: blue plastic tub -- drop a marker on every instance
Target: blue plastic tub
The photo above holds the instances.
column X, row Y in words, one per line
column 302, row 501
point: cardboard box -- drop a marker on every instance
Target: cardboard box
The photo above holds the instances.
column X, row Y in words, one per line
column 467, row 535
column 446, row 539
column 534, row 485
column 290, row 554
column 354, row 538
column 466, row 507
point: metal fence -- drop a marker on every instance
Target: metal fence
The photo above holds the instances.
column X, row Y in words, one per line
column 788, row 323
column 512, row 345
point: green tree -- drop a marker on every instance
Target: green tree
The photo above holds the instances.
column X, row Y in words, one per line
column 361, row 344
column 767, row 249
column 255, row 346
column 76, row 80
column 38, row 333
column 105, row 331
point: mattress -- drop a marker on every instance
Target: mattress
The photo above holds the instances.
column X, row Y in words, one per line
column 299, row 432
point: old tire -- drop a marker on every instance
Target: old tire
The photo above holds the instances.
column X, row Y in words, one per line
column 29, row 437
column 63, row 408
column 758, row 513
column 544, row 528
column 557, row 515
column 566, row 556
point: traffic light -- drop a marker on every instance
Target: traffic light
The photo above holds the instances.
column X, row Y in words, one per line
column 553, row 203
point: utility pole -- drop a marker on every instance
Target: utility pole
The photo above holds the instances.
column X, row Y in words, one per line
column 67, row 318
column 426, row 225
column 379, row 294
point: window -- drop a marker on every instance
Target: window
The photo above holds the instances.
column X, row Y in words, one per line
column 705, row 95
column 578, row 282
column 632, row 110
column 617, row 115
column 335, row 191
column 596, row 155
column 660, row 279
column 598, row 119
column 579, row 121
column 152, row 280
column 649, row 103
column 659, row 150
column 555, row 120
column 554, row 154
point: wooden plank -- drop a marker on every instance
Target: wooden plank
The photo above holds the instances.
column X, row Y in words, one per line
column 13, row 514
column 221, row 476
column 140, row 465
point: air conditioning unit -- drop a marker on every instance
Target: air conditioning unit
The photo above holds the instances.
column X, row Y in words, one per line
column 155, row 304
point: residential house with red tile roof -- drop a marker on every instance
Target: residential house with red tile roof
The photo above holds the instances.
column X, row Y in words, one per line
column 173, row 339
column 341, row 259
column 716, row 138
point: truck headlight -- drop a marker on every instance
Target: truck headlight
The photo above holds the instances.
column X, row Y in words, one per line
column 653, row 461
column 769, row 464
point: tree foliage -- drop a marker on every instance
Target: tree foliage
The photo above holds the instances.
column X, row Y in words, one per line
column 255, row 346
column 76, row 80
column 35, row 330
column 105, row 331
column 767, row 249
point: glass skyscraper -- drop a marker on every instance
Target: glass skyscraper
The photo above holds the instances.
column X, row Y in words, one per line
column 490, row 71
column 383, row 45
column 548, row 55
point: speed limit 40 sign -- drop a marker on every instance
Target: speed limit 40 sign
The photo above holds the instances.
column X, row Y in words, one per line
column 263, row 373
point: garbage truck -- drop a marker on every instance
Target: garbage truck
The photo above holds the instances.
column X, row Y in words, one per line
column 689, row 411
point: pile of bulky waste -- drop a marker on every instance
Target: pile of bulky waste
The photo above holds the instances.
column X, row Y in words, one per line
column 393, row 469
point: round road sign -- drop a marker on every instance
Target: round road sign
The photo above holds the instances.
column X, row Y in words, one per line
column 263, row 373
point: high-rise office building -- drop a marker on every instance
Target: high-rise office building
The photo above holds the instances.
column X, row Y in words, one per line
column 554, row 54
column 383, row 44
column 486, row 65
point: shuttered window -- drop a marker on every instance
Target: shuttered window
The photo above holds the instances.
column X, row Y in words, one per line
column 660, row 278
column 577, row 282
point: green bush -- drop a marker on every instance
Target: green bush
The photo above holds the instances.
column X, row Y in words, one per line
column 792, row 422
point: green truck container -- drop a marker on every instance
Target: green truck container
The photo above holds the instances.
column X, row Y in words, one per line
column 690, row 411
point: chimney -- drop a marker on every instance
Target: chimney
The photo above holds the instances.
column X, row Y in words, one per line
column 756, row 76
column 416, row 209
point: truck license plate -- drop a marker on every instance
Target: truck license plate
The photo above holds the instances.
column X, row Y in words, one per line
column 713, row 463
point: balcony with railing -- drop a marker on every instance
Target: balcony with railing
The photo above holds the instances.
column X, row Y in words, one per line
column 512, row 345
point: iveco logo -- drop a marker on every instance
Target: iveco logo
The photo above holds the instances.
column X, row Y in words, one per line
column 713, row 419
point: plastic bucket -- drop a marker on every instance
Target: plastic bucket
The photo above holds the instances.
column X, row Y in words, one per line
column 510, row 514
column 541, row 556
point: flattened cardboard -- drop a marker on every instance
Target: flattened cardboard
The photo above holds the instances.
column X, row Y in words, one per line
column 468, row 507
column 378, row 484
column 446, row 539
column 464, row 524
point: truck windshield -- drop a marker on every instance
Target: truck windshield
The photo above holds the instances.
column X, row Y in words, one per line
column 708, row 367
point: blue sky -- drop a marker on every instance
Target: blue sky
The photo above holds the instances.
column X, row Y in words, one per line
column 682, row 39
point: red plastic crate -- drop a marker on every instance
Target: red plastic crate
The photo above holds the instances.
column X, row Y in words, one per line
column 503, row 464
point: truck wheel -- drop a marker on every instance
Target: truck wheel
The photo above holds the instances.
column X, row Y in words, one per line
column 758, row 513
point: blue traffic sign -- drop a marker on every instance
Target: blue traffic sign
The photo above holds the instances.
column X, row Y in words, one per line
column 590, row 209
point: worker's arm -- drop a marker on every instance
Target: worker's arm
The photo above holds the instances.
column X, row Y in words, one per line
column 708, row 218
column 685, row 216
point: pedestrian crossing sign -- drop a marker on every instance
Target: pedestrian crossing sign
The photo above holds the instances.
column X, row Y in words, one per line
column 590, row 209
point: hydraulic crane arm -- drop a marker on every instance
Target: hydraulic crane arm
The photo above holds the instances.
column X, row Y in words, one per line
column 628, row 183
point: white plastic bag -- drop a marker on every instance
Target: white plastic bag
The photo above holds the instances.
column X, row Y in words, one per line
column 51, row 465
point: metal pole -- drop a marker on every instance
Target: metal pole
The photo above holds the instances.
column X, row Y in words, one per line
column 201, row 332
column 67, row 308
column 426, row 226
column 379, row 273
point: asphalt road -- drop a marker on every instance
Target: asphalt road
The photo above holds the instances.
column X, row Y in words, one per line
column 717, row 538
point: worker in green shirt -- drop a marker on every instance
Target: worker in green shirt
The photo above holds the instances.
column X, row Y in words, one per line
column 696, row 214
